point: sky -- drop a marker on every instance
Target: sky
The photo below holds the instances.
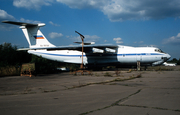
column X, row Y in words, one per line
column 137, row 23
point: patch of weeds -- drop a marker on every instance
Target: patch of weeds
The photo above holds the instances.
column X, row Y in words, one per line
column 117, row 72
column 97, row 75
column 112, row 84
column 107, row 74
column 159, row 108
column 27, row 91
column 47, row 91
column 177, row 110
column 160, row 68
column 117, row 79
column 8, row 94
column 130, row 70
column 138, row 76
column 122, row 76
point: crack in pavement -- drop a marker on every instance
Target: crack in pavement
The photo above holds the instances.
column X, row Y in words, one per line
column 123, row 99
column 159, row 108
column 29, row 91
column 126, row 98
column 105, row 82
column 113, row 104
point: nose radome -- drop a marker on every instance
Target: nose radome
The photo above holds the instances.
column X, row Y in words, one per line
column 168, row 56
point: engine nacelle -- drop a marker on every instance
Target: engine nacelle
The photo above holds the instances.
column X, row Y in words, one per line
column 96, row 50
column 110, row 50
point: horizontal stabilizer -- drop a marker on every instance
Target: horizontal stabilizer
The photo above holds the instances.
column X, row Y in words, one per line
column 23, row 23
column 22, row 49
column 85, row 43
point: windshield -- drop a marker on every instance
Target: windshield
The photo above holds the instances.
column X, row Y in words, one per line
column 159, row 50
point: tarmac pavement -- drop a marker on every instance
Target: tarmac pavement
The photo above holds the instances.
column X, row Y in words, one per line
column 154, row 93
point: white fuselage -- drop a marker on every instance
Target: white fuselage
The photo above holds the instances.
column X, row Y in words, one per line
column 123, row 55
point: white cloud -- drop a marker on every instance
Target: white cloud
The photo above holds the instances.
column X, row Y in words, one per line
column 80, row 4
column 178, row 35
column 174, row 40
column 147, row 45
column 118, row 40
column 120, row 10
column 29, row 21
column 116, row 10
column 53, row 23
column 93, row 38
column 55, row 35
column 5, row 16
column 139, row 42
column 88, row 38
column 105, row 41
column 32, row 4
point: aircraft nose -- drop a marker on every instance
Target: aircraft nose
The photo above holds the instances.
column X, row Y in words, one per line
column 168, row 56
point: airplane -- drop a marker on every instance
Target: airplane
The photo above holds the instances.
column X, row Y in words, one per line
column 93, row 54
column 169, row 64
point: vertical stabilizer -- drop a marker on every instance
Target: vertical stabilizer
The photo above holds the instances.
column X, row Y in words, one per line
column 33, row 35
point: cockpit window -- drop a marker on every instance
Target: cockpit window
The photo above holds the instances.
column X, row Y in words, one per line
column 159, row 50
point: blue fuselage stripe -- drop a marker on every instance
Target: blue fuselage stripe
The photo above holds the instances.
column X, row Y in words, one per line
column 138, row 54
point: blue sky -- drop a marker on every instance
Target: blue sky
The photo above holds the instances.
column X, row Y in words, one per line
column 124, row 22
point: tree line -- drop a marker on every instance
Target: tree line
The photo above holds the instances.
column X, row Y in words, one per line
column 10, row 57
column 174, row 60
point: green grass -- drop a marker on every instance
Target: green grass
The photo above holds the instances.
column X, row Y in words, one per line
column 9, row 71
column 107, row 74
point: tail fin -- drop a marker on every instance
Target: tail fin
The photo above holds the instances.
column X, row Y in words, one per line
column 33, row 35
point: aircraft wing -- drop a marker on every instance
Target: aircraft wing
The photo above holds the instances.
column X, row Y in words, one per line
column 87, row 48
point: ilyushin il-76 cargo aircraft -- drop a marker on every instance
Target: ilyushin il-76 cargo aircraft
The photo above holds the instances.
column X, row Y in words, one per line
column 92, row 54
